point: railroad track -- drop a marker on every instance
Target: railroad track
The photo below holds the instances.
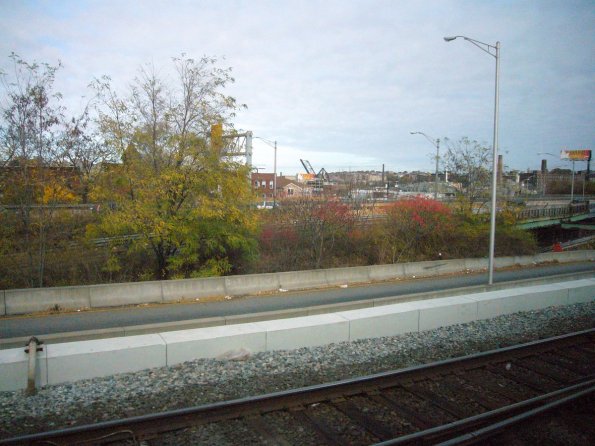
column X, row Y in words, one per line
column 458, row 401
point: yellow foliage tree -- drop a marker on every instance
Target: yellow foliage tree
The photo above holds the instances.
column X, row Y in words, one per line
column 172, row 195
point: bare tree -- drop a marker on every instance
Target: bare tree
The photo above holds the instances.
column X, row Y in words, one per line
column 30, row 117
column 82, row 149
column 468, row 162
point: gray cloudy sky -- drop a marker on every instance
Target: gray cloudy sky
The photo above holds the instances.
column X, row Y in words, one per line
column 342, row 83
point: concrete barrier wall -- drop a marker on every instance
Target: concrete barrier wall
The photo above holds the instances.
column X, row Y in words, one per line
column 192, row 289
column 569, row 256
column 88, row 359
column 251, row 284
column 2, row 304
column 131, row 293
column 43, row 299
column 344, row 276
column 297, row 280
column 211, row 342
column 387, row 272
column 23, row 301
column 307, row 331
column 76, row 360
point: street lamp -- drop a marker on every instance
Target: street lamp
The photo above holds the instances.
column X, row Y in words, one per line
column 274, row 145
column 493, row 51
column 435, row 143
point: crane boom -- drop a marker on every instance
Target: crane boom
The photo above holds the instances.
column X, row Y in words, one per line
column 308, row 166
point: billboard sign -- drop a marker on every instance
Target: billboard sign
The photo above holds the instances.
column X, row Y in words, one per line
column 575, row 155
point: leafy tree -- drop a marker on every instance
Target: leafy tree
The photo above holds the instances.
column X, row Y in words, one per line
column 307, row 232
column 414, row 229
column 177, row 195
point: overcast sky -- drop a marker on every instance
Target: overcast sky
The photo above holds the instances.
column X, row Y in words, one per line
column 343, row 83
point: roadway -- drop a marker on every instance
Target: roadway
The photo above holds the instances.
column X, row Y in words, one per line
column 17, row 326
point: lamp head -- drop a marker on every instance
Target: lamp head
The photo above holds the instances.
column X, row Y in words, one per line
column 449, row 39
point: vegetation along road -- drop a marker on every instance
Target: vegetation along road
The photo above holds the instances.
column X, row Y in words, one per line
column 121, row 317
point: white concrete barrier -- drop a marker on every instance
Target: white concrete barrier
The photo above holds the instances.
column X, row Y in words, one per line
column 432, row 268
column 88, row 359
column 307, row 331
column 211, row 342
column 568, row 256
column 103, row 357
column 249, row 284
column 579, row 291
column 534, row 298
column 132, row 293
column 390, row 320
column 24, row 301
column 118, row 294
column 299, row 280
column 523, row 260
column 386, row 272
column 504, row 262
column 475, row 264
column 436, row 313
column 2, row 304
column 344, row 276
column 187, row 289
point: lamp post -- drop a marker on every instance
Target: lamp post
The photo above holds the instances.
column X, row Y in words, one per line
column 494, row 51
column 435, row 143
column 274, row 145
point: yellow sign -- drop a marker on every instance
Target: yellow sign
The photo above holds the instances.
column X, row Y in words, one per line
column 217, row 137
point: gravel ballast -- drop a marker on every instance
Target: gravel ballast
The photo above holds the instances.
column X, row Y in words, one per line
column 210, row 380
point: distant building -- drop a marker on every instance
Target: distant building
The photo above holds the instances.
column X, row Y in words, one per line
column 263, row 184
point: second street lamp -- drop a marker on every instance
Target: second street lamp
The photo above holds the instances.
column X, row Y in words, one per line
column 273, row 144
column 435, row 143
column 494, row 51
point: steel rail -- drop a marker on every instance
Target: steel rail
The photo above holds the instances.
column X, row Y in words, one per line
column 149, row 425
column 517, row 411
column 489, row 431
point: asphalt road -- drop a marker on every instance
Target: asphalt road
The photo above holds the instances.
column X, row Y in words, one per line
column 122, row 317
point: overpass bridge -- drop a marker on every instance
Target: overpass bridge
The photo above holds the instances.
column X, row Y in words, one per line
column 568, row 216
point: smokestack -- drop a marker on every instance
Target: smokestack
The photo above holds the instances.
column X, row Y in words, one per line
column 543, row 166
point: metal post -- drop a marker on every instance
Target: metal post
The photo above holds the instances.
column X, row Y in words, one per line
column 487, row 48
column 437, row 158
column 495, row 171
column 435, row 143
column 32, row 350
column 275, row 178
column 249, row 149
column 572, row 185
